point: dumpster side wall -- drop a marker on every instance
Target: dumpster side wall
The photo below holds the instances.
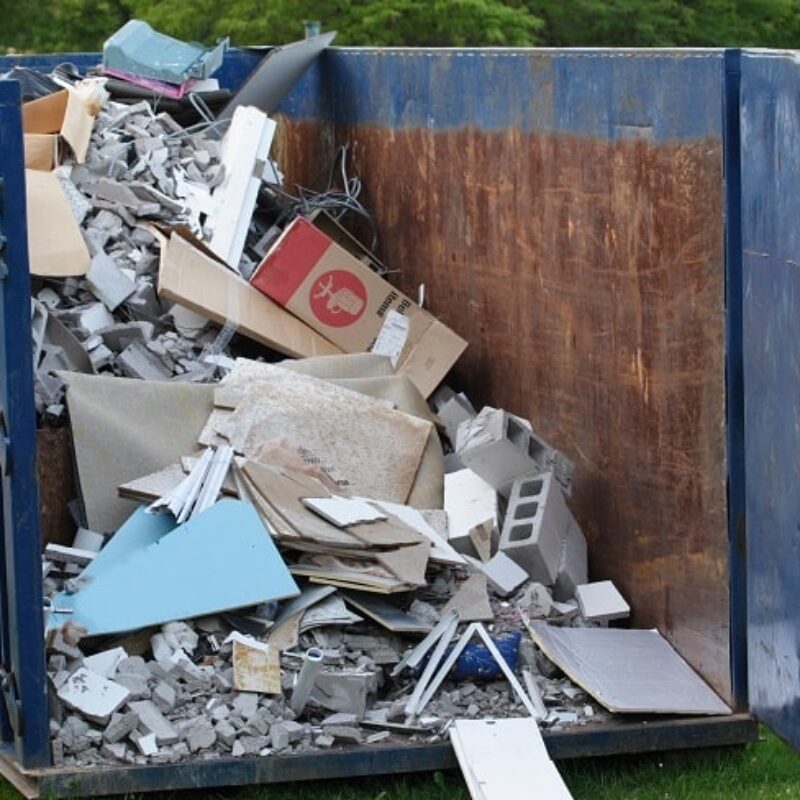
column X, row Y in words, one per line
column 565, row 213
column 771, row 264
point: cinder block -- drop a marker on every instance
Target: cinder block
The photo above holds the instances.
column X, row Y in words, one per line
column 535, row 526
column 573, row 566
column 501, row 448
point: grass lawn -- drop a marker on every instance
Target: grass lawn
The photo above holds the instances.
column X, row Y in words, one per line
column 766, row 769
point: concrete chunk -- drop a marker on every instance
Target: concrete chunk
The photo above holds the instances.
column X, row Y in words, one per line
column 120, row 726
column 107, row 282
column 138, row 362
column 503, row 574
column 601, row 602
column 164, row 696
column 282, row 734
column 154, row 721
column 94, row 696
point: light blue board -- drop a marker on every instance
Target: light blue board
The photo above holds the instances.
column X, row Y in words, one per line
column 148, row 575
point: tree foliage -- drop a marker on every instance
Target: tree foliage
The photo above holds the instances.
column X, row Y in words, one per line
column 83, row 25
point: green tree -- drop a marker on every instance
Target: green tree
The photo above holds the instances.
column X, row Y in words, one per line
column 668, row 23
column 359, row 22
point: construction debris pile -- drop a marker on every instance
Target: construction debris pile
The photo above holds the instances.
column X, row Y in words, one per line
column 278, row 556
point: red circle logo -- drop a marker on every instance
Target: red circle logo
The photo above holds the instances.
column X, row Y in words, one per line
column 338, row 298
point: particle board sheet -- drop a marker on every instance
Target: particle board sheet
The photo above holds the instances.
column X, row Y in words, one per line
column 506, row 759
column 123, row 429
column 364, row 444
column 156, row 572
column 628, row 671
column 372, row 375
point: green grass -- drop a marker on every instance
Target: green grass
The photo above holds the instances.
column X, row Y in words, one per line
column 766, row 769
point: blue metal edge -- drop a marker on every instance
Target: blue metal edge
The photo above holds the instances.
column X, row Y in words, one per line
column 24, row 658
column 734, row 377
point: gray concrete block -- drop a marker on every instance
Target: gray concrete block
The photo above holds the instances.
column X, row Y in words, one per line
column 120, row 726
column 573, row 565
column 165, row 697
column 504, row 575
column 137, row 362
column 601, row 602
column 535, row 526
column 282, row 734
column 107, row 282
column 154, row 721
column 501, row 448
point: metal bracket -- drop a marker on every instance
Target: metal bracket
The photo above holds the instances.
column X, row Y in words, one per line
column 8, row 684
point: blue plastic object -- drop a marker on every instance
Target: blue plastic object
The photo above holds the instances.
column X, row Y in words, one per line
column 476, row 663
column 136, row 49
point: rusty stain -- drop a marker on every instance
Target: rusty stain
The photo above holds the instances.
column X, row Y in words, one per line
column 588, row 277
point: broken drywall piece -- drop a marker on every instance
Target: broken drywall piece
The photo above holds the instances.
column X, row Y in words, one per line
column 601, row 602
column 94, row 696
column 343, row 511
column 310, row 596
column 246, row 144
column 470, row 502
column 628, row 671
column 115, row 600
column 385, row 614
column 500, row 756
column 68, row 555
column 442, row 551
column 471, row 600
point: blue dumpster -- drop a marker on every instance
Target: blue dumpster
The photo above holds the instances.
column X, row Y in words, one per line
column 613, row 231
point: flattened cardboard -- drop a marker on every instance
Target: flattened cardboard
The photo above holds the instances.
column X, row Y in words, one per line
column 628, row 671
column 56, row 248
column 190, row 275
column 337, row 295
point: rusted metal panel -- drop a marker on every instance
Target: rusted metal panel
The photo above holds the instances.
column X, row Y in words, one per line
column 587, row 273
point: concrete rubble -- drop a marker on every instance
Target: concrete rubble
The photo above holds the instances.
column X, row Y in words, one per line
column 408, row 615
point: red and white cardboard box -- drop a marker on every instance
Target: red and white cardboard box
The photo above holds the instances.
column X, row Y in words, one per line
column 341, row 298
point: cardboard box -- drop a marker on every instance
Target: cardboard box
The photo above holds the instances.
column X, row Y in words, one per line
column 66, row 116
column 191, row 275
column 337, row 295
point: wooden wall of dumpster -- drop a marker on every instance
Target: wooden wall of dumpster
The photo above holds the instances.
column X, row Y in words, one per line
column 564, row 212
